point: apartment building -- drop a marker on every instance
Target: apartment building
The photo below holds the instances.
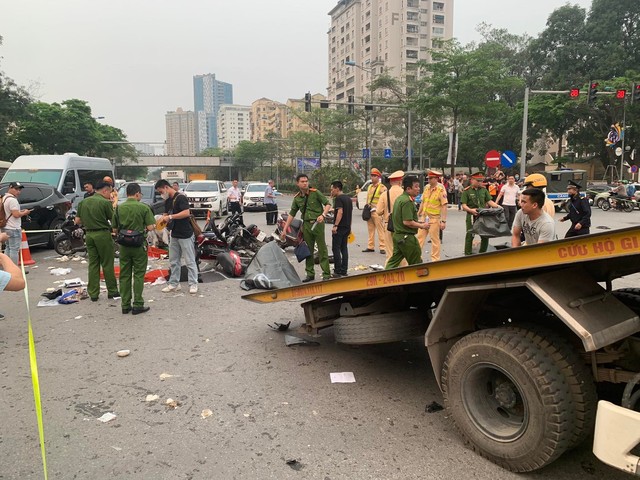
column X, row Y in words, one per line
column 382, row 36
column 234, row 125
column 181, row 133
column 295, row 108
column 267, row 117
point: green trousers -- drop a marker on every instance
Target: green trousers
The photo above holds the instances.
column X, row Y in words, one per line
column 468, row 239
column 100, row 252
column 404, row 247
column 312, row 237
column 133, row 265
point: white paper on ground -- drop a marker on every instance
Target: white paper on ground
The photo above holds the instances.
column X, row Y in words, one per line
column 342, row 377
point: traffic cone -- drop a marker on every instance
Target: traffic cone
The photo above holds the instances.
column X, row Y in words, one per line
column 25, row 254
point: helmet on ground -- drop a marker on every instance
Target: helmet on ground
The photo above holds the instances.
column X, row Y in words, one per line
column 535, row 180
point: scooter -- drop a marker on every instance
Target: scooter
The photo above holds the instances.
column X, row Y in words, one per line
column 292, row 238
column 619, row 203
column 71, row 239
column 231, row 235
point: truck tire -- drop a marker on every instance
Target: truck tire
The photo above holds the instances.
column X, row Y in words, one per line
column 383, row 328
column 576, row 374
column 508, row 398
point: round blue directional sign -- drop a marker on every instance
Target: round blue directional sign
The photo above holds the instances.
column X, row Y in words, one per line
column 508, row 158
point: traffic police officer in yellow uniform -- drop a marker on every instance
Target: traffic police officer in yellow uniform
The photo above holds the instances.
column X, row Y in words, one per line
column 133, row 215
column 433, row 208
column 95, row 213
column 475, row 196
column 314, row 207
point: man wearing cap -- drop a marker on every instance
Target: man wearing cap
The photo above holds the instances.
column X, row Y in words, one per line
column 539, row 181
column 385, row 207
column 406, row 225
column 374, row 224
column 95, row 213
column 13, row 214
column 314, row 207
column 434, row 209
column 579, row 211
column 473, row 198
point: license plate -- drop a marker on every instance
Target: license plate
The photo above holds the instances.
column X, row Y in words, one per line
column 197, row 205
column 261, row 236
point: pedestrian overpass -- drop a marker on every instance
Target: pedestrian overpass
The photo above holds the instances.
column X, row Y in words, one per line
column 175, row 162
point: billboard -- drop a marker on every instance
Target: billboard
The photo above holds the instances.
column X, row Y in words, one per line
column 307, row 164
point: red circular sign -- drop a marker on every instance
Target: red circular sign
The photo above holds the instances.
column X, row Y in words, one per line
column 492, row 158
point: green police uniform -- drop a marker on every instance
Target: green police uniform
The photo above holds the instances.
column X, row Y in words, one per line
column 474, row 198
column 405, row 243
column 95, row 212
column 315, row 202
column 132, row 215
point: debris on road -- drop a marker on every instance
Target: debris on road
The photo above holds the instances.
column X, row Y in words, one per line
column 295, row 464
column 290, row 340
column 342, row 377
column 164, row 376
column 107, row 417
column 281, row 327
column 171, row 403
column 206, row 413
column 123, row 353
column 433, row 407
column 60, row 271
column 151, row 398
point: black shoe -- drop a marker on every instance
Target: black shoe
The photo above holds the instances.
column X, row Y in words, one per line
column 113, row 295
column 138, row 310
column 366, row 250
column 383, row 252
column 126, row 310
column 336, row 275
column 94, row 299
column 1, row 316
column 308, row 279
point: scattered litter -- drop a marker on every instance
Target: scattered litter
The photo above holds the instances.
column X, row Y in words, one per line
column 78, row 317
column 52, row 293
column 314, row 412
column 603, row 227
column 433, row 407
column 72, row 296
column 76, row 259
column 342, row 377
column 178, row 295
column 123, row 353
column 63, row 258
column 48, row 303
column 295, row 464
column 164, row 376
column 159, row 281
column 50, row 268
column 72, row 282
column 171, row 403
column 359, row 268
column 290, row 340
column 206, row 413
column 83, row 261
column 150, row 300
column 376, row 267
column 151, row 398
column 34, row 266
column 51, row 289
column 281, row 327
column 107, row 417
column 285, row 403
column 60, row 271
column 207, row 340
column 117, row 449
column 200, row 296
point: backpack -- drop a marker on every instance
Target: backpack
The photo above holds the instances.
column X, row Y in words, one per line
column 3, row 213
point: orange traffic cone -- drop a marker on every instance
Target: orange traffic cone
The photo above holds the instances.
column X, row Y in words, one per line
column 25, row 254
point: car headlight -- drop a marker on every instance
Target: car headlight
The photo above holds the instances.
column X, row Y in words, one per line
column 214, row 199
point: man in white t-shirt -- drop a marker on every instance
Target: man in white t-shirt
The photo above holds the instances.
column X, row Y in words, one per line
column 11, row 278
column 509, row 193
column 14, row 215
column 537, row 225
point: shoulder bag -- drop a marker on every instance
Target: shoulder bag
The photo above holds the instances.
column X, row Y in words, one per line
column 390, row 221
column 128, row 238
column 366, row 210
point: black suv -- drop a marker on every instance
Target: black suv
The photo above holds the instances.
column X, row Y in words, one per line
column 49, row 206
column 149, row 196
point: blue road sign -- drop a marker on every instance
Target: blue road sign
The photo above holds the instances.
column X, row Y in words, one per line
column 343, row 154
column 365, row 153
column 387, row 153
column 508, row 158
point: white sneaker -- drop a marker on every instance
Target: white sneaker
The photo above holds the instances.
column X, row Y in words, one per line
column 193, row 289
column 171, row 288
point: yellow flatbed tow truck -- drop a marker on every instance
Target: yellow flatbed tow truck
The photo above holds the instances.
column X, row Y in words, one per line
column 518, row 339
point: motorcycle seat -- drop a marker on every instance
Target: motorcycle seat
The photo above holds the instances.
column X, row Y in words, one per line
column 296, row 223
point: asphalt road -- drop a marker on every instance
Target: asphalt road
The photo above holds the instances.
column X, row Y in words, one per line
column 270, row 403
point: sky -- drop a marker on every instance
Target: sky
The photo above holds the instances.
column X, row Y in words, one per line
column 134, row 60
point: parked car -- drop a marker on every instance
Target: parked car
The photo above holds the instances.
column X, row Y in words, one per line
column 207, row 196
column 149, row 196
column 49, row 206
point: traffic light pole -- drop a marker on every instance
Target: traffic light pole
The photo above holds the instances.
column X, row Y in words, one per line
column 525, row 125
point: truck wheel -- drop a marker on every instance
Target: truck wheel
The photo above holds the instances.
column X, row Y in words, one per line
column 508, row 398
column 383, row 328
column 576, row 375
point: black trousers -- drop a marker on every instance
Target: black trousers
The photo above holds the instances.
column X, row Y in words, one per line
column 235, row 207
column 510, row 213
column 272, row 213
column 577, row 233
column 340, row 250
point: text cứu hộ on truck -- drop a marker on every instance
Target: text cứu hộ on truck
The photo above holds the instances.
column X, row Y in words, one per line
column 517, row 338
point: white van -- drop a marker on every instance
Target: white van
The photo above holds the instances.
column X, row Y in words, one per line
column 68, row 172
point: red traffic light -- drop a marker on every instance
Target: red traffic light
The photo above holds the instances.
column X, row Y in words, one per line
column 594, row 85
column 621, row 94
column 574, row 92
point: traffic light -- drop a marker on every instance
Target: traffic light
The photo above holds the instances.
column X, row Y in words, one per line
column 574, row 92
column 635, row 94
column 350, row 108
column 324, row 104
column 621, row 94
column 307, row 102
column 593, row 91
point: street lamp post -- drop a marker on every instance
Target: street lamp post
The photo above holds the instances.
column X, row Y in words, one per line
column 369, row 119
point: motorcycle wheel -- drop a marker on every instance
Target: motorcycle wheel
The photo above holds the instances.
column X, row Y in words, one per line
column 627, row 207
column 55, row 225
column 600, row 201
column 62, row 244
column 605, row 205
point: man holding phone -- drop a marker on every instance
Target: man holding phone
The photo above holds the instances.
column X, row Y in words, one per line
column 14, row 215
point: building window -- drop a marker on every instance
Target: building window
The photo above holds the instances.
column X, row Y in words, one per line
column 412, row 3
column 438, row 7
column 423, row 24
column 412, row 54
column 413, row 16
column 413, row 29
column 438, row 31
column 438, row 19
column 367, row 39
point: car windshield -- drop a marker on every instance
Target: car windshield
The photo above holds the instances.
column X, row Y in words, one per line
column 201, row 187
column 257, row 187
column 50, row 177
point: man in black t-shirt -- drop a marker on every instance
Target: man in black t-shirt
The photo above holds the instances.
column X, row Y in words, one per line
column 182, row 243
column 343, row 209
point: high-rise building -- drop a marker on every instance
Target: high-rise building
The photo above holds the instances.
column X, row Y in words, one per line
column 234, row 125
column 295, row 112
column 379, row 36
column 181, row 133
column 208, row 95
column 267, row 116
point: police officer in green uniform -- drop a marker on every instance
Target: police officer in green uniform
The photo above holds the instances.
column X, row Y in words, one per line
column 314, row 207
column 133, row 215
column 406, row 225
column 475, row 196
column 95, row 213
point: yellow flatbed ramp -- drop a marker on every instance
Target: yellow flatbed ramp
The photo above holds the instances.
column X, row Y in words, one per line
column 605, row 256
